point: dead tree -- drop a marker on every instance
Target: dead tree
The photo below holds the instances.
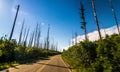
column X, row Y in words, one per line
column 36, row 33
column 72, row 38
column 29, row 44
column 48, row 42
column 21, row 32
column 114, row 14
column 11, row 34
column 24, row 34
column 104, row 29
column 96, row 19
column 25, row 42
column 38, row 36
column 83, row 21
column 75, row 38
column 56, row 47
column 45, row 44
column 31, row 39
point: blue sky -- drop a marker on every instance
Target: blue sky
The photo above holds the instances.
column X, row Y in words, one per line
column 62, row 15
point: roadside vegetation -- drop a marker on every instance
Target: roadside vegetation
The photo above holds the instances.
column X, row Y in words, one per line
column 98, row 56
column 102, row 55
column 12, row 54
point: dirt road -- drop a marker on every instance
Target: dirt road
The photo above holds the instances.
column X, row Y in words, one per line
column 53, row 64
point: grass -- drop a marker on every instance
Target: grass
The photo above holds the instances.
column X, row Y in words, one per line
column 8, row 65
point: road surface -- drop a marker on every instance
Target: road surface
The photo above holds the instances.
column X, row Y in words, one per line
column 53, row 64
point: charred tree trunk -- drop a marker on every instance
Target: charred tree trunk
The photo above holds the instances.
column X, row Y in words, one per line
column 72, row 38
column 25, row 42
column 11, row 34
column 83, row 21
column 48, row 37
column 75, row 38
column 29, row 45
column 24, row 35
column 96, row 19
column 20, row 37
column 31, row 39
column 114, row 14
column 36, row 33
column 38, row 37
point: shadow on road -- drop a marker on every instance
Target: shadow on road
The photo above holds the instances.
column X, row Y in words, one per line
column 16, row 67
column 6, row 70
column 31, row 62
column 55, row 65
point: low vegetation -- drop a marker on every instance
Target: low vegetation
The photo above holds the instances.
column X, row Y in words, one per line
column 98, row 56
column 12, row 54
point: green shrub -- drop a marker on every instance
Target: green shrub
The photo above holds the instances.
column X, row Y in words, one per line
column 99, row 56
column 11, row 52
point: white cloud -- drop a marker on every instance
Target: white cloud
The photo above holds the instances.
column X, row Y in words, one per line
column 95, row 36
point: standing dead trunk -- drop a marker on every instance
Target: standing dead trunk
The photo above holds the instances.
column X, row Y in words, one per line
column 114, row 14
column 25, row 42
column 20, row 37
column 75, row 38
column 83, row 21
column 96, row 19
column 38, row 36
column 14, row 22
column 48, row 37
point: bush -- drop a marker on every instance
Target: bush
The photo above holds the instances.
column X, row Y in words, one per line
column 99, row 56
column 11, row 52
